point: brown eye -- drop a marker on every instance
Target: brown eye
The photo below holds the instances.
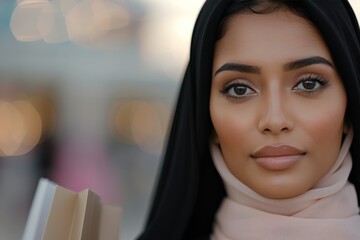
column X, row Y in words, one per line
column 240, row 90
column 237, row 90
column 310, row 84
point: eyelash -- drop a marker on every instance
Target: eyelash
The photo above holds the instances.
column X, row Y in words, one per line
column 311, row 77
column 225, row 90
column 314, row 78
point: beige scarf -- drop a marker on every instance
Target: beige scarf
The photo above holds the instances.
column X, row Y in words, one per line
column 328, row 211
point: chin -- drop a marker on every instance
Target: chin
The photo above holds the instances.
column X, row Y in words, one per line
column 280, row 192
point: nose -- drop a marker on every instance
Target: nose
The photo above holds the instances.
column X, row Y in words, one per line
column 274, row 116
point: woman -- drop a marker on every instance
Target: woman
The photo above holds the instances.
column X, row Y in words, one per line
column 261, row 77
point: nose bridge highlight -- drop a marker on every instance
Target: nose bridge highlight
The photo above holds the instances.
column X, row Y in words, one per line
column 274, row 117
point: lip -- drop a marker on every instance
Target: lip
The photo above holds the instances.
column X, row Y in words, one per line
column 277, row 158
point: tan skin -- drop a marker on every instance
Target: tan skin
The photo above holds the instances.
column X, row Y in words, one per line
column 279, row 98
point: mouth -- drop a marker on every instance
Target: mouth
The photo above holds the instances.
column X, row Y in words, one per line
column 278, row 158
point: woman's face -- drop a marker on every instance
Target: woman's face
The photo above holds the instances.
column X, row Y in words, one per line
column 277, row 103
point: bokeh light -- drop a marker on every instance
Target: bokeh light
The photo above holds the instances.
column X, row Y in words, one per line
column 20, row 127
column 141, row 122
column 88, row 22
column 12, row 129
column 52, row 25
column 24, row 19
column 32, row 126
column 94, row 22
column 166, row 34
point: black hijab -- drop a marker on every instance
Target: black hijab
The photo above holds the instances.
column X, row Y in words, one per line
column 189, row 189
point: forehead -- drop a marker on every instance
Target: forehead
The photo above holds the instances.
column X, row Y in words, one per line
column 275, row 35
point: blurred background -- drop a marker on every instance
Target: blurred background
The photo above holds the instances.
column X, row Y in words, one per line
column 87, row 91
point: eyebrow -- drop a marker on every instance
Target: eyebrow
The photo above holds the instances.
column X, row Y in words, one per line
column 239, row 68
column 307, row 62
column 291, row 66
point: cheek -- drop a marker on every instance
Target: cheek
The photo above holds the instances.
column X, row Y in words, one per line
column 230, row 124
column 233, row 129
column 324, row 122
column 321, row 129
